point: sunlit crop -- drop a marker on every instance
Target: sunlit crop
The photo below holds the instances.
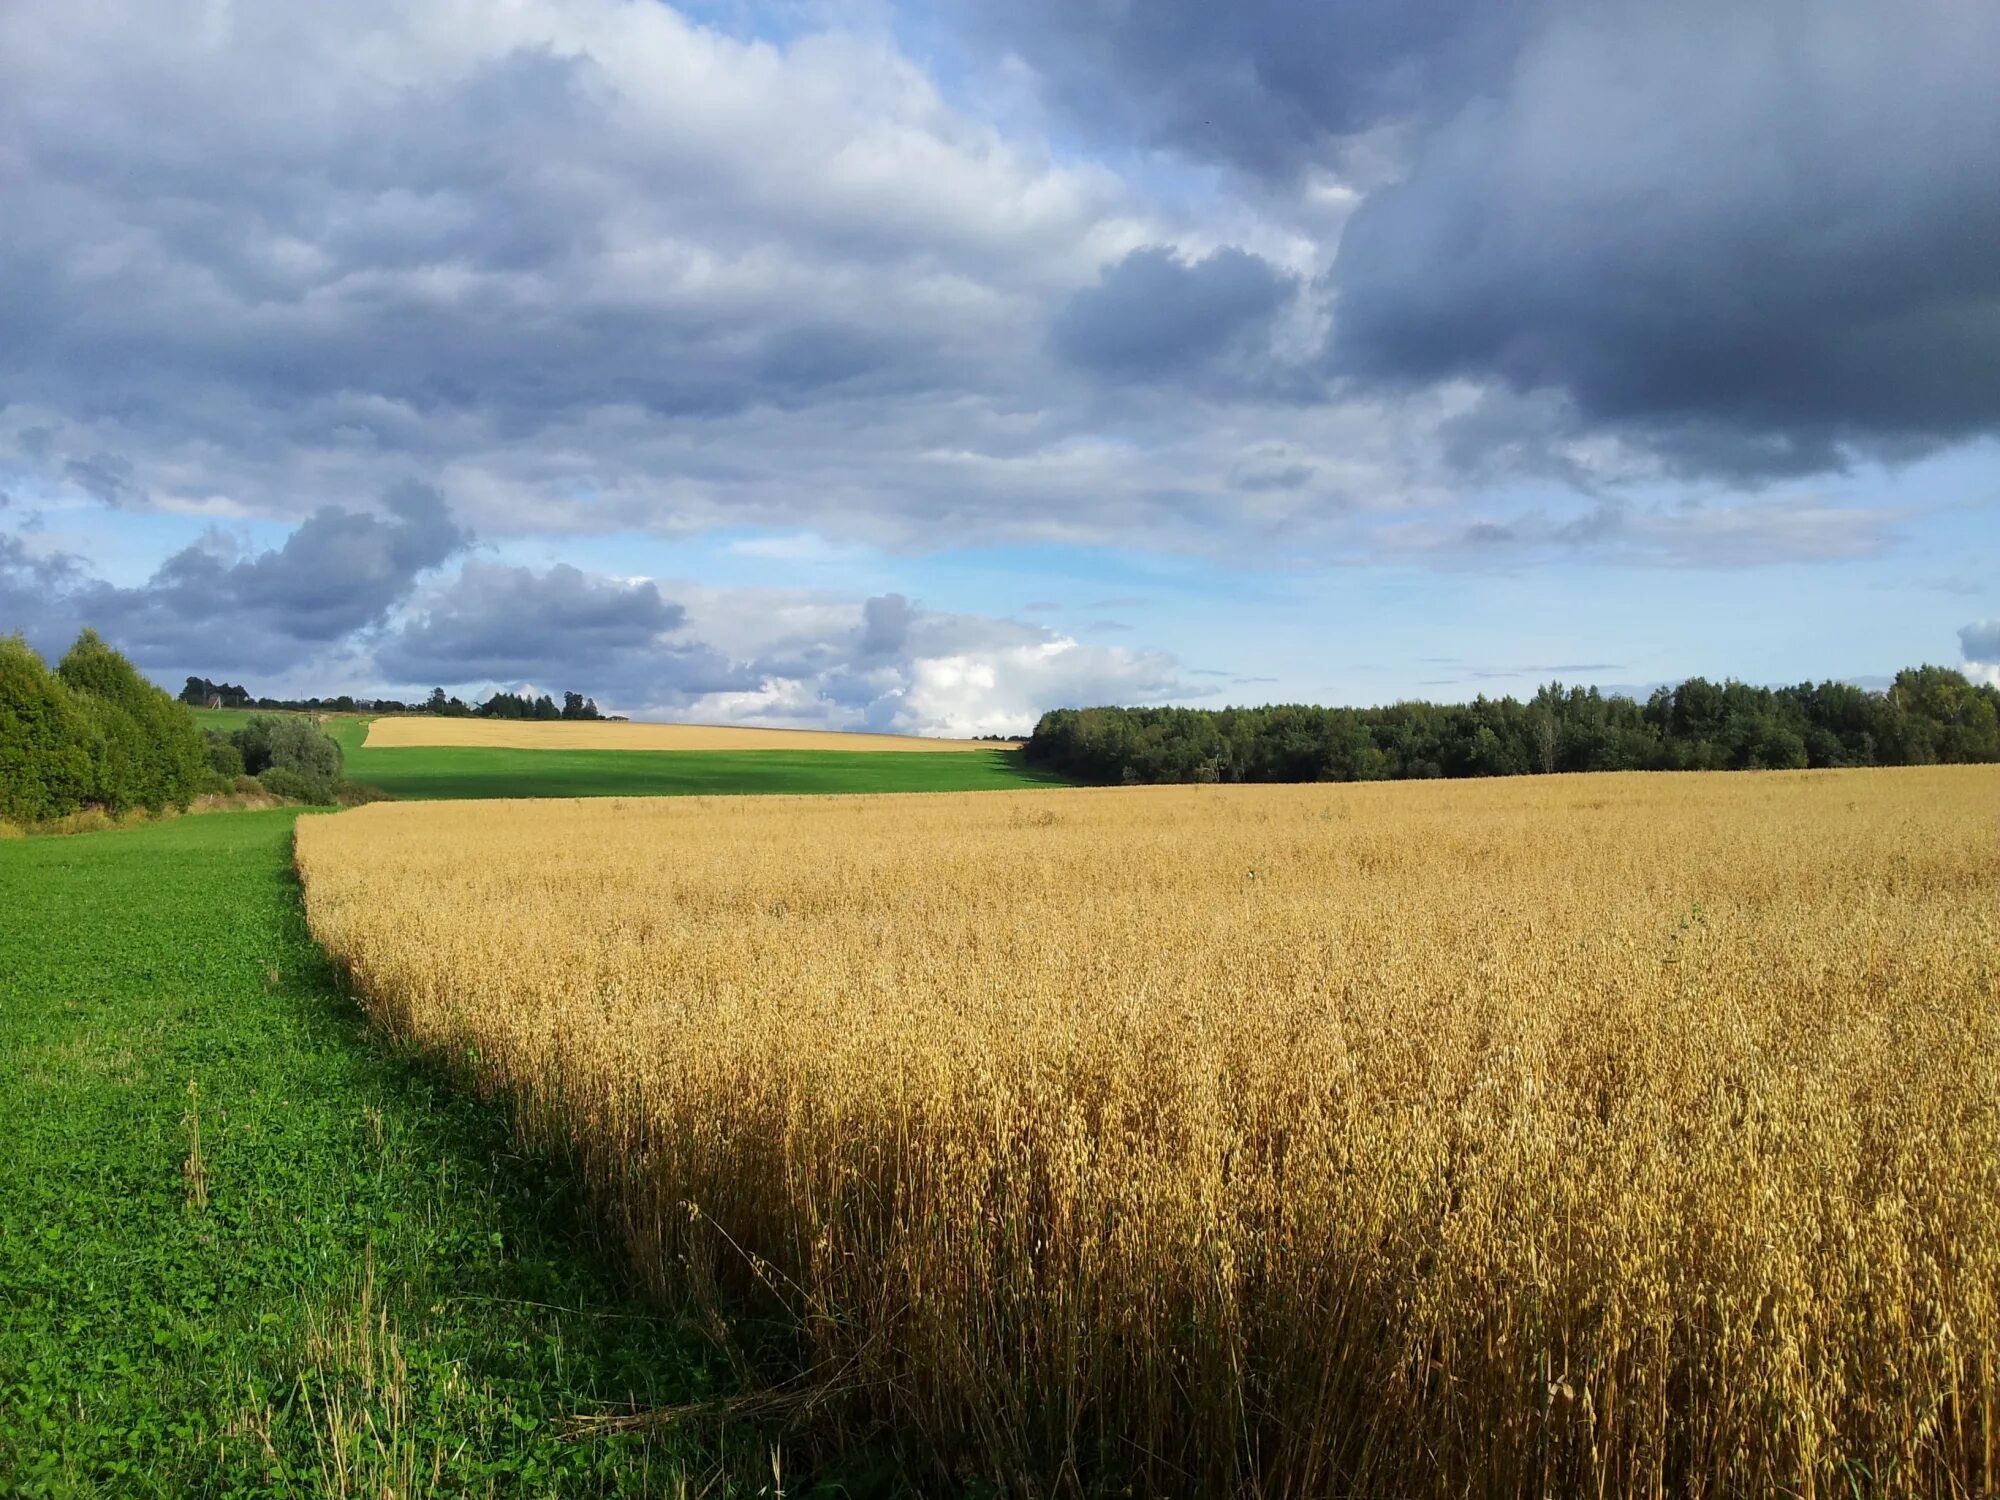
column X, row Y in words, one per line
column 1600, row 1135
column 426, row 730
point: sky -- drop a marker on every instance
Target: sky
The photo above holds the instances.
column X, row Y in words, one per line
column 926, row 366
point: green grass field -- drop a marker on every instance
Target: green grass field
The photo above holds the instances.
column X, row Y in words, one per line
column 245, row 1248
column 433, row 774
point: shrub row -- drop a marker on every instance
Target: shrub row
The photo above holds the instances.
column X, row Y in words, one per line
column 92, row 733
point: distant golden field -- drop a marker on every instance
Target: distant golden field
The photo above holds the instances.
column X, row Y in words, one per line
column 425, row 730
column 1605, row 1135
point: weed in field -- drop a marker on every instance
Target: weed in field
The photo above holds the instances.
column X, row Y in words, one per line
column 194, row 1166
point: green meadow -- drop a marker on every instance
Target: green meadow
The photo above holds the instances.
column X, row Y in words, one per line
column 447, row 773
column 246, row 1247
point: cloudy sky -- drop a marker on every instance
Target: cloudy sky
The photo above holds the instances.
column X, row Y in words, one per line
column 926, row 365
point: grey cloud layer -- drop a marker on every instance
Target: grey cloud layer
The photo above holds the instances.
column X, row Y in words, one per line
column 1155, row 316
column 1270, row 85
column 588, row 266
column 1774, row 241
column 339, row 574
column 1751, row 239
column 583, row 245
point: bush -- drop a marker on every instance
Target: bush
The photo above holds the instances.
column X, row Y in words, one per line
column 120, row 773
column 281, row 781
column 357, row 794
column 44, row 741
column 288, row 742
column 224, row 759
column 150, row 752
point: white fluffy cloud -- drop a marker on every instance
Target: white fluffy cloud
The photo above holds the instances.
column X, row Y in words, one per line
column 352, row 603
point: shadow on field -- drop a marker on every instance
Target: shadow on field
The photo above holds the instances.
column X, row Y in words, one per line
column 634, row 1392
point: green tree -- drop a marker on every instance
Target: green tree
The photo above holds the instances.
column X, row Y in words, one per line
column 44, row 755
column 160, row 742
column 290, row 743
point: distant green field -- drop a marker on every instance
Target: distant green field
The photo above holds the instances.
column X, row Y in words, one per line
column 438, row 774
column 450, row 773
column 244, row 1247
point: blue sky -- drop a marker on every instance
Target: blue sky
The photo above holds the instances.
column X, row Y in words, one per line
column 927, row 367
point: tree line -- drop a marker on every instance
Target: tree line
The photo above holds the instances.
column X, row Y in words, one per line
column 1929, row 715
column 95, row 735
column 202, row 693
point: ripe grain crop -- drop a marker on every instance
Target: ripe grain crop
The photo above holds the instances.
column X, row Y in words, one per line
column 1603, row 1135
column 424, row 731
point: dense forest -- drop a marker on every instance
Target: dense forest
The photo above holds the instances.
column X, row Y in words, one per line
column 1929, row 715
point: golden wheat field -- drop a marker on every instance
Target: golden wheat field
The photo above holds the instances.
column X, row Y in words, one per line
column 1606, row 1135
column 425, row 730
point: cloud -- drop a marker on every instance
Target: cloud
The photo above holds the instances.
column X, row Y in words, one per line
column 366, row 604
column 1693, row 533
column 595, row 267
column 1270, row 86
column 1979, row 644
column 496, row 623
column 338, row 574
column 1756, row 239
column 812, row 659
column 585, row 259
column 104, row 476
column 1003, row 688
column 1747, row 240
column 885, row 625
column 1154, row 316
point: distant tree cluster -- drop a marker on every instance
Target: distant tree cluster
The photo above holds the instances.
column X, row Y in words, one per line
column 289, row 756
column 520, row 706
column 1930, row 715
column 91, row 734
column 201, row 693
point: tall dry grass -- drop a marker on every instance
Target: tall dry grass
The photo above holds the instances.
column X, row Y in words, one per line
column 1609, row 1135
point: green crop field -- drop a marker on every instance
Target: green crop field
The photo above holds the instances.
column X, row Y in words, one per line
column 245, row 1247
column 446, row 773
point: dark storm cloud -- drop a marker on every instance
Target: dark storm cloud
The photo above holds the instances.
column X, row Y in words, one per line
column 338, row 573
column 1267, row 84
column 1156, row 317
column 1751, row 239
column 1772, row 242
column 499, row 623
